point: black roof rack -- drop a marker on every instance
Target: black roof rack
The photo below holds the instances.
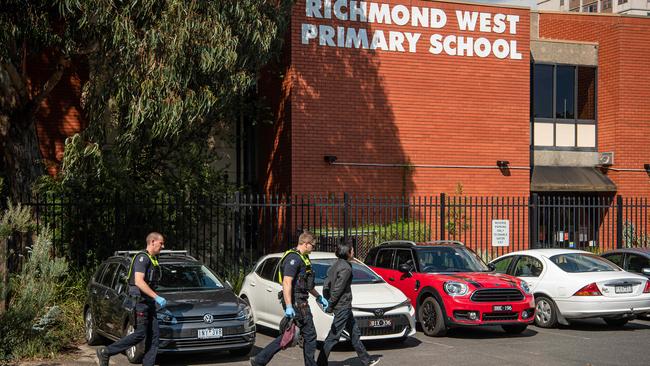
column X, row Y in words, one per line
column 163, row 253
column 445, row 242
column 399, row 243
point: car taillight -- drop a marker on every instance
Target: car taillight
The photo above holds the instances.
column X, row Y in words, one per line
column 589, row 290
column 646, row 290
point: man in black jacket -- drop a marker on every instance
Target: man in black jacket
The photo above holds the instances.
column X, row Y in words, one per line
column 339, row 286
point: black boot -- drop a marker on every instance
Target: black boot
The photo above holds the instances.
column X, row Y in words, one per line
column 102, row 356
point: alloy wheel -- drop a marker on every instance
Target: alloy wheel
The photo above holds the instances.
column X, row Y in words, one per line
column 543, row 312
column 429, row 317
column 89, row 326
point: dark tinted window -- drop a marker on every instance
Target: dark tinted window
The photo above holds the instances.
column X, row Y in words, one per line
column 384, row 258
column 616, row 258
column 579, row 262
column 187, row 276
column 119, row 281
column 501, row 265
column 98, row 275
column 543, row 91
column 109, row 273
column 269, row 269
column 528, row 267
column 565, row 92
column 637, row 263
column 402, row 256
column 586, row 93
column 360, row 273
column 370, row 258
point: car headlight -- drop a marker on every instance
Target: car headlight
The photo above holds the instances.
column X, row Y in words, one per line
column 525, row 287
column 406, row 303
column 453, row 288
column 245, row 312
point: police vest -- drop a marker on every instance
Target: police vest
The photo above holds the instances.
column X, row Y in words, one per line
column 153, row 275
column 304, row 281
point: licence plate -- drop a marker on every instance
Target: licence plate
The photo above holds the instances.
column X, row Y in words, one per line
column 502, row 308
column 623, row 289
column 380, row 323
column 210, row 333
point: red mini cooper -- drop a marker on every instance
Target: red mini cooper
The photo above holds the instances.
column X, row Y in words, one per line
column 450, row 286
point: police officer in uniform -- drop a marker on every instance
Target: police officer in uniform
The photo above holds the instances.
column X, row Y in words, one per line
column 144, row 274
column 297, row 279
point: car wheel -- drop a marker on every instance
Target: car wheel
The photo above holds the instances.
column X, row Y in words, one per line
column 92, row 337
column 514, row 328
column 241, row 352
column 431, row 318
column 545, row 312
column 134, row 354
column 618, row 322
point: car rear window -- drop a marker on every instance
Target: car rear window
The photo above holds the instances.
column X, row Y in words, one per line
column 360, row 273
column 186, row 277
column 581, row 262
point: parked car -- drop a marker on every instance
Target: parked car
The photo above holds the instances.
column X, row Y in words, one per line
column 381, row 311
column 203, row 314
column 574, row 284
column 635, row 260
column 450, row 286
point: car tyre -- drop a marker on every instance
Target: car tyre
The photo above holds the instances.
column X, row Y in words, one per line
column 545, row 312
column 514, row 328
column 92, row 337
column 431, row 318
column 619, row 322
column 241, row 352
column 133, row 354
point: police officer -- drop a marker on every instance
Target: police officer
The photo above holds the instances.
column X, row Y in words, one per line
column 297, row 279
column 144, row 274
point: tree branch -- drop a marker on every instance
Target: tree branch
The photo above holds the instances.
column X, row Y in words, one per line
column 16, row 80
column 62, row 64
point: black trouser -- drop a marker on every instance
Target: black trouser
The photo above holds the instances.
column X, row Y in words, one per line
column 305, row 322
column 146, row 328
column 343, row 320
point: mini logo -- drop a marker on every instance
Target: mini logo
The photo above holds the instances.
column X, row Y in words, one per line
column 208, row 318
column 379, row 312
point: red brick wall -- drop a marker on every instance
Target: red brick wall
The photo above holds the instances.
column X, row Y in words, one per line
column 409, row 108
column 60, row 115
column 623, row 94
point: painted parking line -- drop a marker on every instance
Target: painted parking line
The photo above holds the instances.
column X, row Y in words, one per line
column 560, row 334
column 436, row 343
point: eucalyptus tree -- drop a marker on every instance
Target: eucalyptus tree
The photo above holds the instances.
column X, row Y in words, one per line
column 166, row 81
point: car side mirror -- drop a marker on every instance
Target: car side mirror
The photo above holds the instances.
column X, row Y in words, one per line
column 491, row 267
column 405, row 268
column 646, row 271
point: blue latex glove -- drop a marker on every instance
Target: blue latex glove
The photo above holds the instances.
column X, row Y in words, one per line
column 160, row 301
column 289, row 312
column 323, row 301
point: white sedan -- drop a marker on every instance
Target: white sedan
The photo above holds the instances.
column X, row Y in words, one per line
column 381, row 310
column 574, row 284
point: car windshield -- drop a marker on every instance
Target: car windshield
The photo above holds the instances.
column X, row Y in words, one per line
column 582, row 262
column 360, row 273
column 449, row 259
column 186, row 277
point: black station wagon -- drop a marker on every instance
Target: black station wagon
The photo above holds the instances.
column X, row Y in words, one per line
column 203, row 313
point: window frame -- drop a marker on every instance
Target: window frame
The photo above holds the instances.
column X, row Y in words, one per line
column 526, row 257
column 509, row 268
column 392, row 258
column 395, row 267
column 110, row 267
column 275, row 269
column 554, row 120
column 628, row 258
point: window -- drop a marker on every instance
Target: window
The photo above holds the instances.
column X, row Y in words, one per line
column 564, row 107
column 607, row 4
column 268, row 269
column 98, row 274
column 637, row 263
column 360, row 273
column 401, row 257
column 528, row 267
column 621, row 2
column 188, row 276
column 616, row 258
column 561, row 2
column 591, row 8
column 384, row 258
column 119, row 281
column 501, row 266
column 109, row 273
column 578, row 262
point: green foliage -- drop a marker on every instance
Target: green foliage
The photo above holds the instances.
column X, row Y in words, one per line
column 457, row 221
column 33, row 317
column 236, row 279
column 16, row 218
column 633, row 238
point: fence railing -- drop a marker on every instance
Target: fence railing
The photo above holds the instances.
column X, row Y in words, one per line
column 231, row 232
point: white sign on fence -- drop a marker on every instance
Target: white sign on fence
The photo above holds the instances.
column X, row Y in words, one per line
column 500, row 233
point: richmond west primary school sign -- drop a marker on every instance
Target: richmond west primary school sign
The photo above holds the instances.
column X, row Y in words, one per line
column 458, row 44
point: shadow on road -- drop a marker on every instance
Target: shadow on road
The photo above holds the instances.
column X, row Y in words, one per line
column 598, row 325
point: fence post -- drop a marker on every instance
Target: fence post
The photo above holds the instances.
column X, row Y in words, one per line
column 236, row 234
column 4, row 274
column 619, row 221
column 534, row 219
column 443, row 218
column 346, row 215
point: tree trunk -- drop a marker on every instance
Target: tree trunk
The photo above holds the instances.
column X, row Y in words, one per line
column 4, row 275
column 22, row 158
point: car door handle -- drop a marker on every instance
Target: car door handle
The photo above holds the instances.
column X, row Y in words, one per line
column 252, row 284
column 269, row 289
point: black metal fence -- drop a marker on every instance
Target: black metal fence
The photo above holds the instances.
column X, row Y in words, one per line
column 231, row 232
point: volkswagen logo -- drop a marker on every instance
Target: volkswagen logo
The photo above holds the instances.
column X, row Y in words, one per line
column 379, row 312
column 208, row 318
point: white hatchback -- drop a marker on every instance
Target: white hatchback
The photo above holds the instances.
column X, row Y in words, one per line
column 381, row 310
column 574, row 284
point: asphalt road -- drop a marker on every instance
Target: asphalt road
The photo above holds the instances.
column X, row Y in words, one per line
column 583, row 343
